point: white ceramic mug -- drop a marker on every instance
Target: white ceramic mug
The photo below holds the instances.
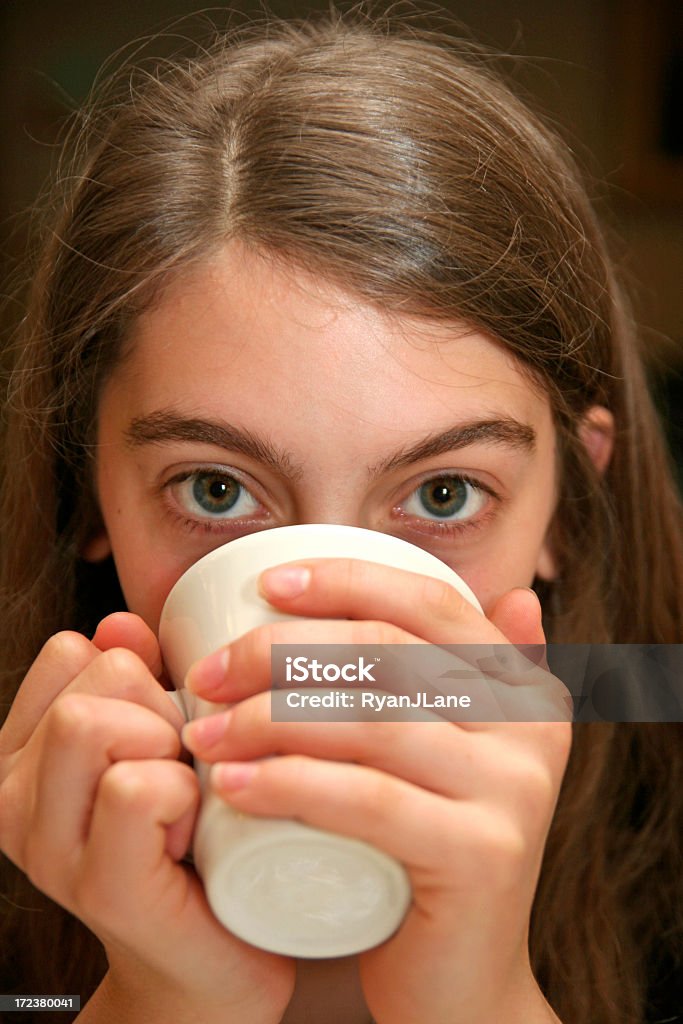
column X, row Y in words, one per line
column 282, row 885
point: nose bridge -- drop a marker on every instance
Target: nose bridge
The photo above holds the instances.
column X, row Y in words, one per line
column 338, row 498
column 336, row 513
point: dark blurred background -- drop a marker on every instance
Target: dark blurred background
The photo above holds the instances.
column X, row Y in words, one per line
column 608, row 74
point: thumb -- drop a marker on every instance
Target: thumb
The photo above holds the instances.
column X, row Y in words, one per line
column 123, row 629
column 517, row 615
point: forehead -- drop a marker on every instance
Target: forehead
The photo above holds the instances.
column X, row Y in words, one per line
column 247, row 333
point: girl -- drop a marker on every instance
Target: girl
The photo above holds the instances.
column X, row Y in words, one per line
column 332, row 272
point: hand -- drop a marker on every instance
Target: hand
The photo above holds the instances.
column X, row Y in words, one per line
column 98, row 811
column 466, row 807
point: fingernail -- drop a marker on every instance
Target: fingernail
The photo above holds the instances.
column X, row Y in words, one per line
column 228, row 777
column 287, row 581
column 204, row 732
column 207, row 675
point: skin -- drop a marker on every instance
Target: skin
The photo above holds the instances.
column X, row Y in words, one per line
column 466, row 811
column 333, row 368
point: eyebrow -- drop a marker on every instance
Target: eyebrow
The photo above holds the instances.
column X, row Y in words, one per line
column 166, row 427
column 504, row 432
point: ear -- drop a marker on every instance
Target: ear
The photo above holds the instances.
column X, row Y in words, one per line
column 546, row 565
column 596, row 432
column 96, row 548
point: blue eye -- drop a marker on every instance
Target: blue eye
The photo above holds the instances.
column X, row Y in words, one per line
column 446, row 498
column 214, row 493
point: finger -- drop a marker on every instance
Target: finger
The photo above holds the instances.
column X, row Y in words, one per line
column 81, row 736
column 354, row 589
column 141, row 825
column 131, row 888
column 60, row 665
column 155, row 796
column 438, row 757
column 365, row 804
column 428, row 608
column 349, row 799
column 121, row 674
column 535, row 694
column 517, row 615
column 63, row 657
column 501, row 682
column 123, row 629
column 245, row 666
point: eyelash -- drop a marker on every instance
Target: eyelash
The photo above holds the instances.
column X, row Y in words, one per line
column 434, row 528
column 207, row 524
column 453, row 529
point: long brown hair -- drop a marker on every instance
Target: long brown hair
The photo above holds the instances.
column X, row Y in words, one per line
column 396, row 163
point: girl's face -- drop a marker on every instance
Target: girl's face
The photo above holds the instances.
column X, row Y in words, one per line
column 255, row 396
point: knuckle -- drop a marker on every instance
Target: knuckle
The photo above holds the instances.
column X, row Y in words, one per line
column 377, row 802
column 122, row 666
column 298, row 771
column 73, row 718
column 441, row 600
column 65, row 646
column 553, row 739
column 124, row 786
column 537, row 784
column 261, row 639
column 251, row 651
column 122, row 674
column 506, row 854
column 354, row 574
column 500, row 850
